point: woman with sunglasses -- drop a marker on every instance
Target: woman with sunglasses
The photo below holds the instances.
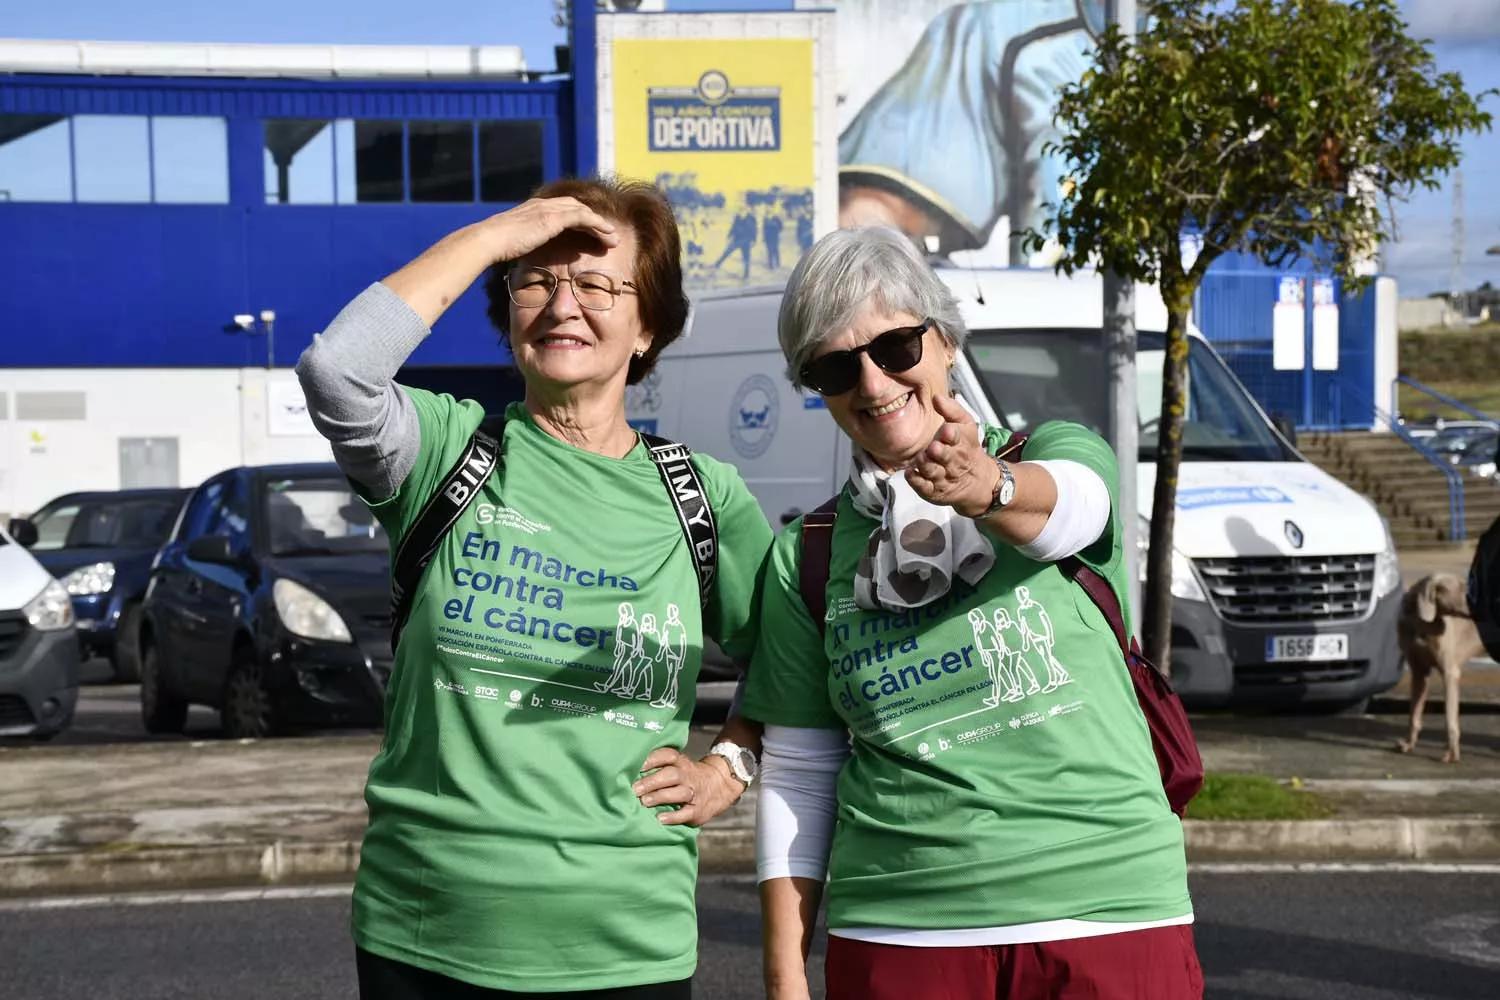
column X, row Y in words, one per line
column 531, row 815
column 955, row 743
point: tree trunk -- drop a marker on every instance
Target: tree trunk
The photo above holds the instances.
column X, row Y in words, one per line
column 1157, row 621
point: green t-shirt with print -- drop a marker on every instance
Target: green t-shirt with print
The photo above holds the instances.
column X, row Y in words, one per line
column 1002, row 772
column 555, row 641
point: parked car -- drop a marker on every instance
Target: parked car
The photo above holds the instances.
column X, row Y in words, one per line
column 1453, row 440
column 39, row 657
column 100, row 547
column 269, row 603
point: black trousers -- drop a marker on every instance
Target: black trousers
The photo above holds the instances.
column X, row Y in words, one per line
column 386, row 979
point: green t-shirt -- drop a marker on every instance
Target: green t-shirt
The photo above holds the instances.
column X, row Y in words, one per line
column 1002, row 772
column 554, row 643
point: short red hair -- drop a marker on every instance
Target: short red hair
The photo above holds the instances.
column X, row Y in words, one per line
column 658, row 259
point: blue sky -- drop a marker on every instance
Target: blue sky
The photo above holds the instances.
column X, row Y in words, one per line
column 1466, row 35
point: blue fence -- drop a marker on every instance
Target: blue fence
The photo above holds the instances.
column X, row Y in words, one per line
column 1237, row 311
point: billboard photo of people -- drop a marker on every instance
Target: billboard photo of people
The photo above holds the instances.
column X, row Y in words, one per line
column 945, row 109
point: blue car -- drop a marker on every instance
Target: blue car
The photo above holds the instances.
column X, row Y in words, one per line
column 100, row 547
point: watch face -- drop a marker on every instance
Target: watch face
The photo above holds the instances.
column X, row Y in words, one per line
column 1007, row 491
column 746, row 764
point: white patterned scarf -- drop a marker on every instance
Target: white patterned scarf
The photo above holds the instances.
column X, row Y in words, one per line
column 917, row 548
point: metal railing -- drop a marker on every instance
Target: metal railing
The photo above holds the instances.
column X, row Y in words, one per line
column 1446, row 400
column 1457, row 524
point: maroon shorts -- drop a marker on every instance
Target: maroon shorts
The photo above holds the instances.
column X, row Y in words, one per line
column 1159, row 963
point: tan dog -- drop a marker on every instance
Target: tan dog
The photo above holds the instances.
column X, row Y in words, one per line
column 1437, row 632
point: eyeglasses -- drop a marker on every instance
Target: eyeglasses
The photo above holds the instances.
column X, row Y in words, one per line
column 894, row 351
column 533, row 287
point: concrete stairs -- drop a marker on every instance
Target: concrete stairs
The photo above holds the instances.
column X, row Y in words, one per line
column 1408, row 490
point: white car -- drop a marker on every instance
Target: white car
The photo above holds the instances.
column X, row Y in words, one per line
column 39, row 653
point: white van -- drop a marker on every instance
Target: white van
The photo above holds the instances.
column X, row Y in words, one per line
column 39, row 655
column 1285, row 581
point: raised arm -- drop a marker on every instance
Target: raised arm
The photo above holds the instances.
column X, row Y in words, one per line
column 348, row 372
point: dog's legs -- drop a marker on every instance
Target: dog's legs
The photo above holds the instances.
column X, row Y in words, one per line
column 1451, row 694
column 1419, row 681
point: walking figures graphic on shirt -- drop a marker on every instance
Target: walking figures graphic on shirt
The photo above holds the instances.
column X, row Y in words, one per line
column 1004, row 643
column 627, row 644
column 1036, row 627
column 672, row 650
column 631, row 676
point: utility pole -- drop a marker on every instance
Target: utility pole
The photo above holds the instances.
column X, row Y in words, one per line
column 1119, row 359
column 1458, row 295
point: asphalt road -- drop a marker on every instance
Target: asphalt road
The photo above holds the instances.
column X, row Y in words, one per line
column 1424, row 935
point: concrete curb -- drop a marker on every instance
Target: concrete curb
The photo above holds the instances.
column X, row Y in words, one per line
column 729, row 849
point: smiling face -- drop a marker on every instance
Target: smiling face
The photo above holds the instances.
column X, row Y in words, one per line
column 564, row 345
column 890, row 415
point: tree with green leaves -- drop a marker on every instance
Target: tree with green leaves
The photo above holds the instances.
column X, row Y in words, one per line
column 1281, row 129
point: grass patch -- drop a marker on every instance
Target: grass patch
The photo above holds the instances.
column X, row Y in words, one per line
column 1482, row 396
column 1254, row 796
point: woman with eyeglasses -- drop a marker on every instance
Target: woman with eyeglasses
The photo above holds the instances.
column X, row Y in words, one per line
column 532, row 817
column 952, row 741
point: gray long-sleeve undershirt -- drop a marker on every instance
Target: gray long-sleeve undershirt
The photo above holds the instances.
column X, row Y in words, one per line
column 348, row 376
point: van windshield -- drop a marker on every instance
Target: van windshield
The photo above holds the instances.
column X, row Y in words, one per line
column 1037, row 375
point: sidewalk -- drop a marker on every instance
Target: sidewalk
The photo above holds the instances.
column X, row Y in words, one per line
column 219, row 813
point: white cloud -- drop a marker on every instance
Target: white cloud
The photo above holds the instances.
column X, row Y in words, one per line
column 1459, row 22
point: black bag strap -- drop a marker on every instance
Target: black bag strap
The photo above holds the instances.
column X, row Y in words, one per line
column 817, row 543
column 479, row 460
column 674, row 462
column 816, row 556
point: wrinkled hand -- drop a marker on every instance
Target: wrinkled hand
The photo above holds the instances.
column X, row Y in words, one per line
column 955, row 470
column 531, row 224
column 702, row 789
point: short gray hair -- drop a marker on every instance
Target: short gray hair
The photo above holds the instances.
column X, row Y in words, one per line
column 849, row 269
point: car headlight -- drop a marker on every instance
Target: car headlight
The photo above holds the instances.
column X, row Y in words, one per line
column 306, row 614
column 1387, row 565
column 1185, row 585
column 97, row 578
column 51, row 610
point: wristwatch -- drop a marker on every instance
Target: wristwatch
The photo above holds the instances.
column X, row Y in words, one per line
column 1005, row 490
column 742, row 762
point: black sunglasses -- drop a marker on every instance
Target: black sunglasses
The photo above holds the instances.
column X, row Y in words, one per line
column 894, row 351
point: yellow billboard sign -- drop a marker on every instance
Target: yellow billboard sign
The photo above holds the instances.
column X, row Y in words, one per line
column 725, row 127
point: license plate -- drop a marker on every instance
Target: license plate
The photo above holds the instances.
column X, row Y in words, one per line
column 1307, row 647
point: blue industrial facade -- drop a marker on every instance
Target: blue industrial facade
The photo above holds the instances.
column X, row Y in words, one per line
column 152, row 284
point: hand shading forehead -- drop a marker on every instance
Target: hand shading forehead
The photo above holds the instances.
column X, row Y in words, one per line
column 576, row 251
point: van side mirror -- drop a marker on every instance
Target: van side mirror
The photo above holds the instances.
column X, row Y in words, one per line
column 212, row 549
column 23, row 531
column 1287, row 427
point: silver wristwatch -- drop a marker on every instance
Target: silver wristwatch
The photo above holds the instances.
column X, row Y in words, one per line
column 1005, row 490
column 742, row 762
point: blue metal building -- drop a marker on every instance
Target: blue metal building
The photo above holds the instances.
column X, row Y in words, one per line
column 140, row 214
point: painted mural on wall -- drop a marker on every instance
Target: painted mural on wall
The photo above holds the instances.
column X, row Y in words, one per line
column 725, row 128
column 944, row 109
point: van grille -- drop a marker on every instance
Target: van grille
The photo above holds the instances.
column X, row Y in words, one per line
column 12, row 633
column 14, row 712
column 1273, row 590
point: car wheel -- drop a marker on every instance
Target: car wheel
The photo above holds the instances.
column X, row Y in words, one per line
column 127, row 654
column 248, row 712
column 161, row 711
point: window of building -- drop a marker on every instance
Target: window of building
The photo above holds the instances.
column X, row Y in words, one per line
column 510, row 160
column 189, row 160
column 36, row 161
column 112, row 157
column 441, row 155
column 299, row 161
column 378, row 163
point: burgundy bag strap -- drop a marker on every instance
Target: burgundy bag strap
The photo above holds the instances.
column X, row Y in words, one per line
column 1103, row 595
column 817, row 553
